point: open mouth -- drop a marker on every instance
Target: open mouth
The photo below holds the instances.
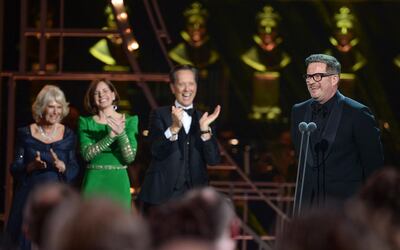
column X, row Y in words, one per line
column 53, row 117
column 103, row 100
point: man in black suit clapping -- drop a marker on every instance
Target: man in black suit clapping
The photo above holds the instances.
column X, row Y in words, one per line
column 182, row 143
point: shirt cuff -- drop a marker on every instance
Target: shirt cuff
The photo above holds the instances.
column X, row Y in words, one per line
column 168, row 134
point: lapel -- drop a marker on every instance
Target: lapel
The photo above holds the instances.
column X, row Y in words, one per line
column 332, row 125
column 167, row 116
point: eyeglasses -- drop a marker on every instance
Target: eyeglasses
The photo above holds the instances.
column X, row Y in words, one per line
column 317, row 76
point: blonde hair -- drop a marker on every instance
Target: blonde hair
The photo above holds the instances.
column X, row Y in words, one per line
column 46, row 95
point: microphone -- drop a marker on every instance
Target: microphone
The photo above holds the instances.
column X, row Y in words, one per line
column 309, row 128
column 303, row 126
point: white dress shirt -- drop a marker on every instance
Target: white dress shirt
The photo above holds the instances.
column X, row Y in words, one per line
column 186, row 122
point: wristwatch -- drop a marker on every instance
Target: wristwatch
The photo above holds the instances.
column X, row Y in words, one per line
column 206, row 131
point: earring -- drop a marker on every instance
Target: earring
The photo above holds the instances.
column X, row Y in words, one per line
column 115, row 107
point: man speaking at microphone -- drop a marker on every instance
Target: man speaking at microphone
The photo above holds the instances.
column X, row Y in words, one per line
column 345, row 148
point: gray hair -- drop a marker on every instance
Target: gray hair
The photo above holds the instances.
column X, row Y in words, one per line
column 332, row 64
column 46, row 95
column 194, row 70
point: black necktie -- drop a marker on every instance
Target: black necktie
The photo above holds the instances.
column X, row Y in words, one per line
column 189, row 111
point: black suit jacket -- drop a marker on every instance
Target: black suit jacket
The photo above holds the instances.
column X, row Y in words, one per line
column 351, row 150
column 167, row 158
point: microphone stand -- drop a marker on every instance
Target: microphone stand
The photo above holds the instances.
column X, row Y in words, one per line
column 302, row 129
column 310, row 128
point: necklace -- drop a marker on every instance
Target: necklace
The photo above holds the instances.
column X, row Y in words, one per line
column 45, row 136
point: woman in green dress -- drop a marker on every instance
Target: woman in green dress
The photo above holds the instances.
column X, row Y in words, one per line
column 108, row 144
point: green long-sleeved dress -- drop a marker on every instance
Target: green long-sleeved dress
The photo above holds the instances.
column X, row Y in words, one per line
column 106, row 173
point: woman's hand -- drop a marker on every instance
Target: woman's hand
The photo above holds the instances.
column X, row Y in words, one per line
column 117, row 125
column 37, row 163
column 59, row 164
